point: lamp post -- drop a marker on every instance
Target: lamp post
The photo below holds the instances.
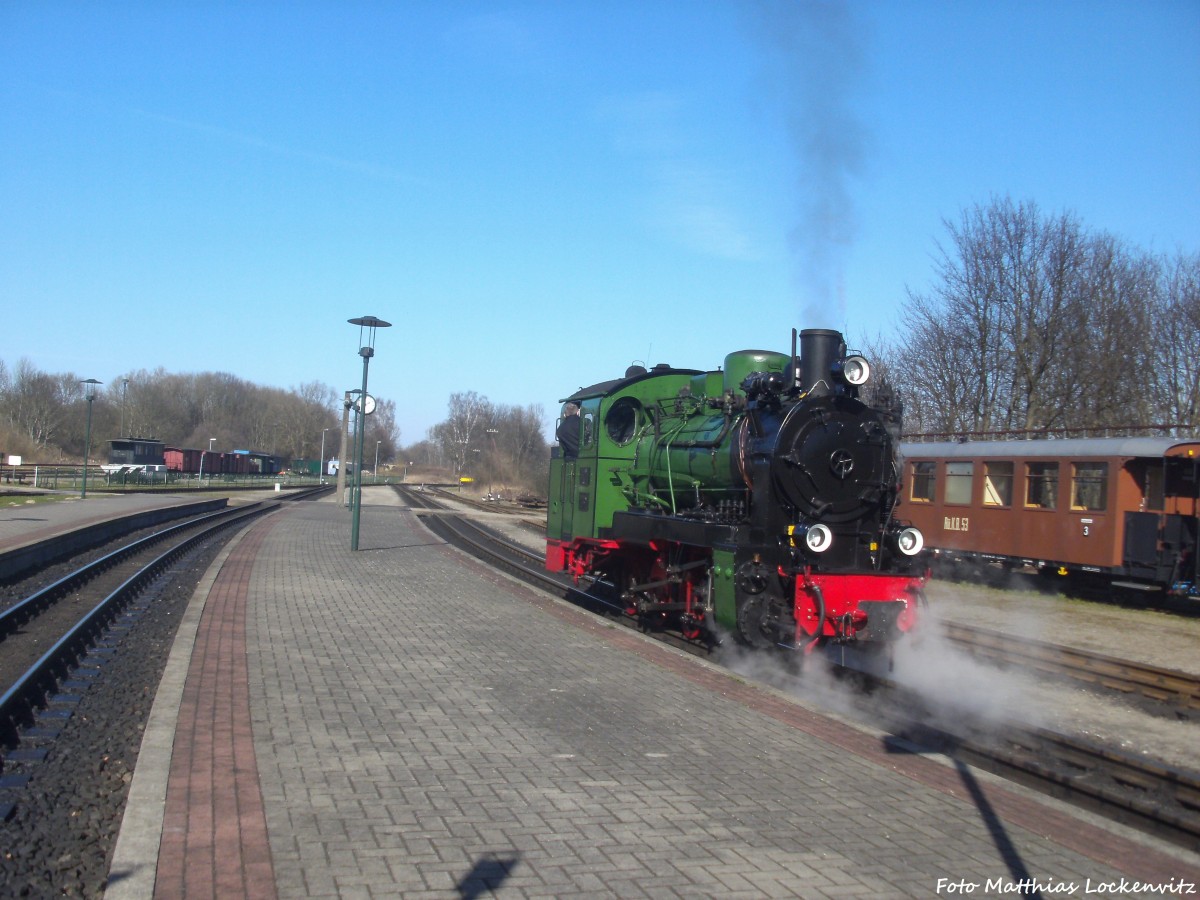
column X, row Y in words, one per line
column 492, row 432
column 355, row 404
column 366, row 351
column 321, row 471
column 89, row 392
column 343, row 456
column 203, row 453
column 375, row 477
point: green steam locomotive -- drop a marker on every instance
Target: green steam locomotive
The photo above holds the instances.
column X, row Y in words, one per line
column 757, row 499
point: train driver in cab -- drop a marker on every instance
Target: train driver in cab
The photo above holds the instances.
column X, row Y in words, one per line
column 568, row 431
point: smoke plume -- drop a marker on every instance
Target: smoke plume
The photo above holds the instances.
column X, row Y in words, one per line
column 817, row 65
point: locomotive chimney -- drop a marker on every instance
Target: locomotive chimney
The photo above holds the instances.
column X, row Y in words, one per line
column 820, row 348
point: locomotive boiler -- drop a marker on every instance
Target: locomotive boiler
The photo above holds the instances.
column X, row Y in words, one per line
column 757, row 499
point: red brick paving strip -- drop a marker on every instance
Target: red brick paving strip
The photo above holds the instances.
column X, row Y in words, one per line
column 214, row 841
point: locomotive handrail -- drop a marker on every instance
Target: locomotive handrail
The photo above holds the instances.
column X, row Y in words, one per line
column 667, row 456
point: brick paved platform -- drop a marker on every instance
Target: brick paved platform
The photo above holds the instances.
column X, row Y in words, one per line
column 399, row 722
column 24, row 524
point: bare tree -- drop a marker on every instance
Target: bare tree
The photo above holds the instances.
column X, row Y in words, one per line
column 495, row 443
column 1109, row 355
column 37, row 403
column 1034, row 324
column 461, row 433
column 382, row 432
column 1176, row 368
column 522, row 439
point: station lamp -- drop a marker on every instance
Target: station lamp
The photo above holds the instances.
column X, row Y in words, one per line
column 89, row 393
column 367, row 326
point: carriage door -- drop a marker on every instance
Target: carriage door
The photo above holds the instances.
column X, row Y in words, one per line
column 1141, row 544
column 583, row 512
column 562, row 497
column 1179, row 550
column 1180, row 531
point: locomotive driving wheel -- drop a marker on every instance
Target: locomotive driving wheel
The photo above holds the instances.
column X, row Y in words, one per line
column 754, row 622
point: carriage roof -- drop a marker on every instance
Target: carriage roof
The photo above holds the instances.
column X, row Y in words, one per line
column 1077, row 448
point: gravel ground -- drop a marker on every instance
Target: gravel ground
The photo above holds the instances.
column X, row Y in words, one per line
column 61, row 834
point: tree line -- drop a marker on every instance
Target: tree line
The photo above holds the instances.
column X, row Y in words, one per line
column 43, row 419
column 1036, row 324
column 43, row 416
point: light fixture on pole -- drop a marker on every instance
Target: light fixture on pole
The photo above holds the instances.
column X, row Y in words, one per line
column 89, row 393
column 366, row 350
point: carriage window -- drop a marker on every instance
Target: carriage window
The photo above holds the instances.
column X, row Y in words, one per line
column 997, row 483
column 1041, row 485
column 1089, row 486
column 959, row 477
column 588, row 430
column 1154, row 487
column 923, row 479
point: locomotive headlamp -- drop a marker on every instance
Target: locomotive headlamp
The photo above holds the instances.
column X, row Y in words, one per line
column 909, row 541
column 854, row 369
column 818, row 538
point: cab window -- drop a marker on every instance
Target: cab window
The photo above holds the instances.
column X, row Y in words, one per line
column 1154, row 487
column 621, row 421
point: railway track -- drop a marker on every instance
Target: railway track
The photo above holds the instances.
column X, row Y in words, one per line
column 44, row 635
column 47, row 633
column 1177, row 692
column 528, row 566
column 1144, row 793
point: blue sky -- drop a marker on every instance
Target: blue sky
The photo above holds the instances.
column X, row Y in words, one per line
column 537, row 194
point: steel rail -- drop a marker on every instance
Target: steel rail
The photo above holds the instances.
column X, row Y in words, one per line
column 25, row 610
column 520, row 561
column 1181, row 690
column 1137, row 791
column 21, row 700
column 480, row 541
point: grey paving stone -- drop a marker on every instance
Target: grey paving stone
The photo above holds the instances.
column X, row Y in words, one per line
column 415, row 722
